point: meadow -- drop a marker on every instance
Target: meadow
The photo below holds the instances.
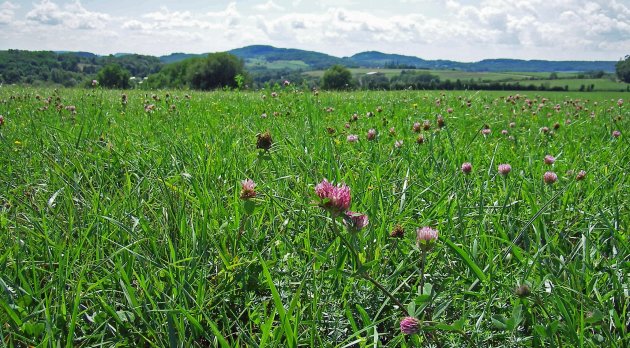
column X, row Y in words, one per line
column 126, row 218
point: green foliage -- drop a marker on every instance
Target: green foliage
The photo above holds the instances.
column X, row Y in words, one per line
column 113, row 76
column 217, row 70
column 622, row 69
column 121, row 224
column 214, row 71
column 337, row 77
column 67, row 69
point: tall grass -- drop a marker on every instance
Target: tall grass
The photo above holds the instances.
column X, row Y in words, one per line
column 121, row 224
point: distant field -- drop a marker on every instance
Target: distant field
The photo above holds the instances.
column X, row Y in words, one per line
column 276, row 65
column 523, row 78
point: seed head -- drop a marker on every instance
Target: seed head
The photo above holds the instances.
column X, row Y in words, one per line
column 397, row 232
column 420, row 139
column 440, row 119
column 410, row 325
column 580, row 175
column 522, row 291
column 426, row 125
column 549, row 159
column 264, row 141
column 416, row 127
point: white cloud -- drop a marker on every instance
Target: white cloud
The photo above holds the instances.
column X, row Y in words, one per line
column 7, row 11
column 269, row 6
column 72, row 16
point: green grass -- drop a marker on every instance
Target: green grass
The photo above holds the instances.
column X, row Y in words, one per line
column 124, row 227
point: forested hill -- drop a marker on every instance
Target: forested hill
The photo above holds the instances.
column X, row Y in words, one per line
column 67, row 68
column 72, row 68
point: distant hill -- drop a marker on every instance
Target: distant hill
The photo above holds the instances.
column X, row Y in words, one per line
column 176, row 57
column 314, row 60
column 374, row 59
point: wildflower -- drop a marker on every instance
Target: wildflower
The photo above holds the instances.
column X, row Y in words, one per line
column 556, row 125
column 426, row 125
column 398, row 144
column 355, row 221
column 620, row 102
column 486, row 131
column 504, row 169
column 549, row 159
column 512, row 124
column 544, row 129
column 466, row 167
column 449, row 110
column 425, row 236
column 504, row 132
column 371, row 134
column 416, row 127
column 420, row 139
column 347, row 125
column 71, row 108
column 352, row 138
column 264, row 141
column 616, row 134
column 397, row 232
column 392, row 131
column 149, row 108
column 248, row 189
column 550, row 177
column 274, row 94
column 94, row 83
column 330, row 130
column 1, row 120
column 580, row 175
column 410, row 325
column 263, row 115
column 335, row 199
column 123, row 99
column 286, row 83
column 379, row 109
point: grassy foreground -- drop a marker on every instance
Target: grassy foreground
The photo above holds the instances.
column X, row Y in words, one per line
column 121, row 222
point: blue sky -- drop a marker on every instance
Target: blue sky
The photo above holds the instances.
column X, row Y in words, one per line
column 464, row 30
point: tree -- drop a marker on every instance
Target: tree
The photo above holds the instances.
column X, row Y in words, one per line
column 216, row 70
column 337, row 77
column 113, row 76
column 623, row 69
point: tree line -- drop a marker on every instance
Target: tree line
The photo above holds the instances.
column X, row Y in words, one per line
column 224, row 70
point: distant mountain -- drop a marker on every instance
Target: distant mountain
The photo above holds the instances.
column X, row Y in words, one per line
column 374, row 59
column 378, row 59
column 261, row 57
column 176, row 57
column 314, row 60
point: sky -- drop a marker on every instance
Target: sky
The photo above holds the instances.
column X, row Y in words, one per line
column 462, row 30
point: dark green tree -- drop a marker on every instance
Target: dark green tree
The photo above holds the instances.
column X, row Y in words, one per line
column 623, row 69
column 337, row 77
column 217, row 70
column 113, row 76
